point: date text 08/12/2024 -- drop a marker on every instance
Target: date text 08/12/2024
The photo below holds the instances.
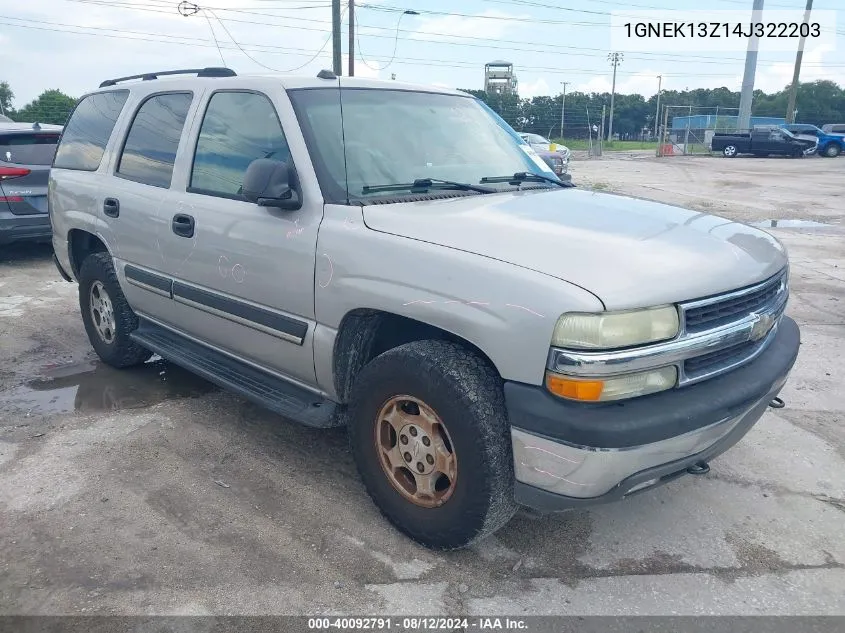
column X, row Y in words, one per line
column 416, row 624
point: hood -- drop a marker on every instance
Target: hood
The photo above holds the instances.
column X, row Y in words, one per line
column 628, row 252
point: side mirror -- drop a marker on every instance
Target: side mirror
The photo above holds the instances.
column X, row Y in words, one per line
column 271, row 183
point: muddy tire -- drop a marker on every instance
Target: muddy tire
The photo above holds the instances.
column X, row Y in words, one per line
column 467, row 491
column 106, row 314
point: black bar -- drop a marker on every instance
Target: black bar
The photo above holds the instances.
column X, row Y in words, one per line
column 148, row 279
column 278, row 322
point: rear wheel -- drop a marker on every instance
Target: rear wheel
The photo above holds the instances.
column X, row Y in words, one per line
column 106, row 314
column 431, row 440
column 730, row 151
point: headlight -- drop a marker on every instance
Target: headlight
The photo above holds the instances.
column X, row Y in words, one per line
column 613, row 387
column 611, row 330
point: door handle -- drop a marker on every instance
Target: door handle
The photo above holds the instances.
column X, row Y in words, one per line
column 183, row 225
column 111, row 207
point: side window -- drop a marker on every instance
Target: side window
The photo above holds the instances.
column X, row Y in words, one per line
column 150, row 148
column 238, row 128
column 87, row 133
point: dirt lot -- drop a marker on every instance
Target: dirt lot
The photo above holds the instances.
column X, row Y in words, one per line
column 150, row 491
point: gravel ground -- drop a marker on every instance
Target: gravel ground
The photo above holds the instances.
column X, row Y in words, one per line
column 152, row 492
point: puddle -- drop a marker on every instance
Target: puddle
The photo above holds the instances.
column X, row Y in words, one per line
column 791, row 224
column 94, row 386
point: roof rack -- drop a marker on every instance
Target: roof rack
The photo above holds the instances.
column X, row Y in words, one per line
column 199, row 72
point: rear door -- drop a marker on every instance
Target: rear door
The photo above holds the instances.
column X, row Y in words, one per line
column 137, row 202
column 25, row 159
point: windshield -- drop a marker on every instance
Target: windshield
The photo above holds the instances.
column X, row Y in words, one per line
column 399, row 136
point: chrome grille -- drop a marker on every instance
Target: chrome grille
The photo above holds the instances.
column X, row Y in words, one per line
column 720, row 359
column 725, row 311
column 711, row 316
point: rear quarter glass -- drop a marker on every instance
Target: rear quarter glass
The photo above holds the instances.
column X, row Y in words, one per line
column 89, row 129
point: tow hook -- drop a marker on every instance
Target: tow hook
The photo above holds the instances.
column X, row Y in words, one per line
column 777, row 403
column 699, row 469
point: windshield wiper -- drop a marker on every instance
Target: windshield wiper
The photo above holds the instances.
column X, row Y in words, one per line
column 423, row 185
column 524, row 176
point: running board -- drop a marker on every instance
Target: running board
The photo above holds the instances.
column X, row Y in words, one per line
column 275, row 394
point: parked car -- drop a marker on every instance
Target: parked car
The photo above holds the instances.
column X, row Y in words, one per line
column 760, row 142
column 557, row 163
column 542, row 144
column 491, row 336
column 829, row 145
column 833, row 128
column 26, row 152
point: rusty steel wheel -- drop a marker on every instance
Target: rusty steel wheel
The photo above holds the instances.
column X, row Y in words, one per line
column 415, row 451
column 406, row 446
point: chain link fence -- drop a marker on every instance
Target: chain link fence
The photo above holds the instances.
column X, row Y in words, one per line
column 689, row 130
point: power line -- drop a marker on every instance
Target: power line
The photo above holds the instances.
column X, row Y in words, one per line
column 214, row 35
column 544, row 47
column 235, row 42
column 411, row 61
column 395, row 42
column 122, row 34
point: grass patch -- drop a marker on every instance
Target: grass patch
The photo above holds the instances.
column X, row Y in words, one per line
column 599, row 186
column 613, row 146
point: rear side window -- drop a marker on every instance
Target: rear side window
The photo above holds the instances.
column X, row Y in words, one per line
column 28, row 148
column 87, row 132
column 238, row 128
column 150, row 148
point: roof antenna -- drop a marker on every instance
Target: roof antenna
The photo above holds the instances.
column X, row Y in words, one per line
column 36, row 126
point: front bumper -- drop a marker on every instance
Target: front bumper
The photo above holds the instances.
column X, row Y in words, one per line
column 568, row 454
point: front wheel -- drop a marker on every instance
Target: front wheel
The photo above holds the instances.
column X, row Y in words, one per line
column 832, row 150
column 431, row 439
column 106, row 314
column 730, row 151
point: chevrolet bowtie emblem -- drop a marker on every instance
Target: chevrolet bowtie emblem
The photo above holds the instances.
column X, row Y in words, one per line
column 762, row 325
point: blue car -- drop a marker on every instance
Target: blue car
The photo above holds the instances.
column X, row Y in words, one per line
column 830, row 145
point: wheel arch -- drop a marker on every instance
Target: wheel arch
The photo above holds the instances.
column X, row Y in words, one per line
column 365, row 333
column 81, row 244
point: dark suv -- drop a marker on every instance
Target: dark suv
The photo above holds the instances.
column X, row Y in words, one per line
column 26, row 154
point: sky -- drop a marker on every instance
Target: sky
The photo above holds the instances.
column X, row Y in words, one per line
column 73, row 45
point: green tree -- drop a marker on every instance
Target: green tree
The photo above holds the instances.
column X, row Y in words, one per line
column 51, row 106
column 6, row 97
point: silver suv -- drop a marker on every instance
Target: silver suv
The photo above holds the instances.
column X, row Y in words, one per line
column 394, row 258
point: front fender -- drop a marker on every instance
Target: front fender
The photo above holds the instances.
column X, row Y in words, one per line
column 507, row 311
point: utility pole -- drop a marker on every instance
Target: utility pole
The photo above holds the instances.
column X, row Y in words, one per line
column 601, row 136
column 337, row 62
column 793, row 90
column 615, row 59
column 744, row 118
column 657, row 113
column 562, row 107
column 351, row 38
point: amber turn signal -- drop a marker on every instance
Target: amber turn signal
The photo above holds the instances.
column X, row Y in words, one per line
column 585, row 390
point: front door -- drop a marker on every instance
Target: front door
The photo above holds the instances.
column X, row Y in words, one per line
column 243, row 274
